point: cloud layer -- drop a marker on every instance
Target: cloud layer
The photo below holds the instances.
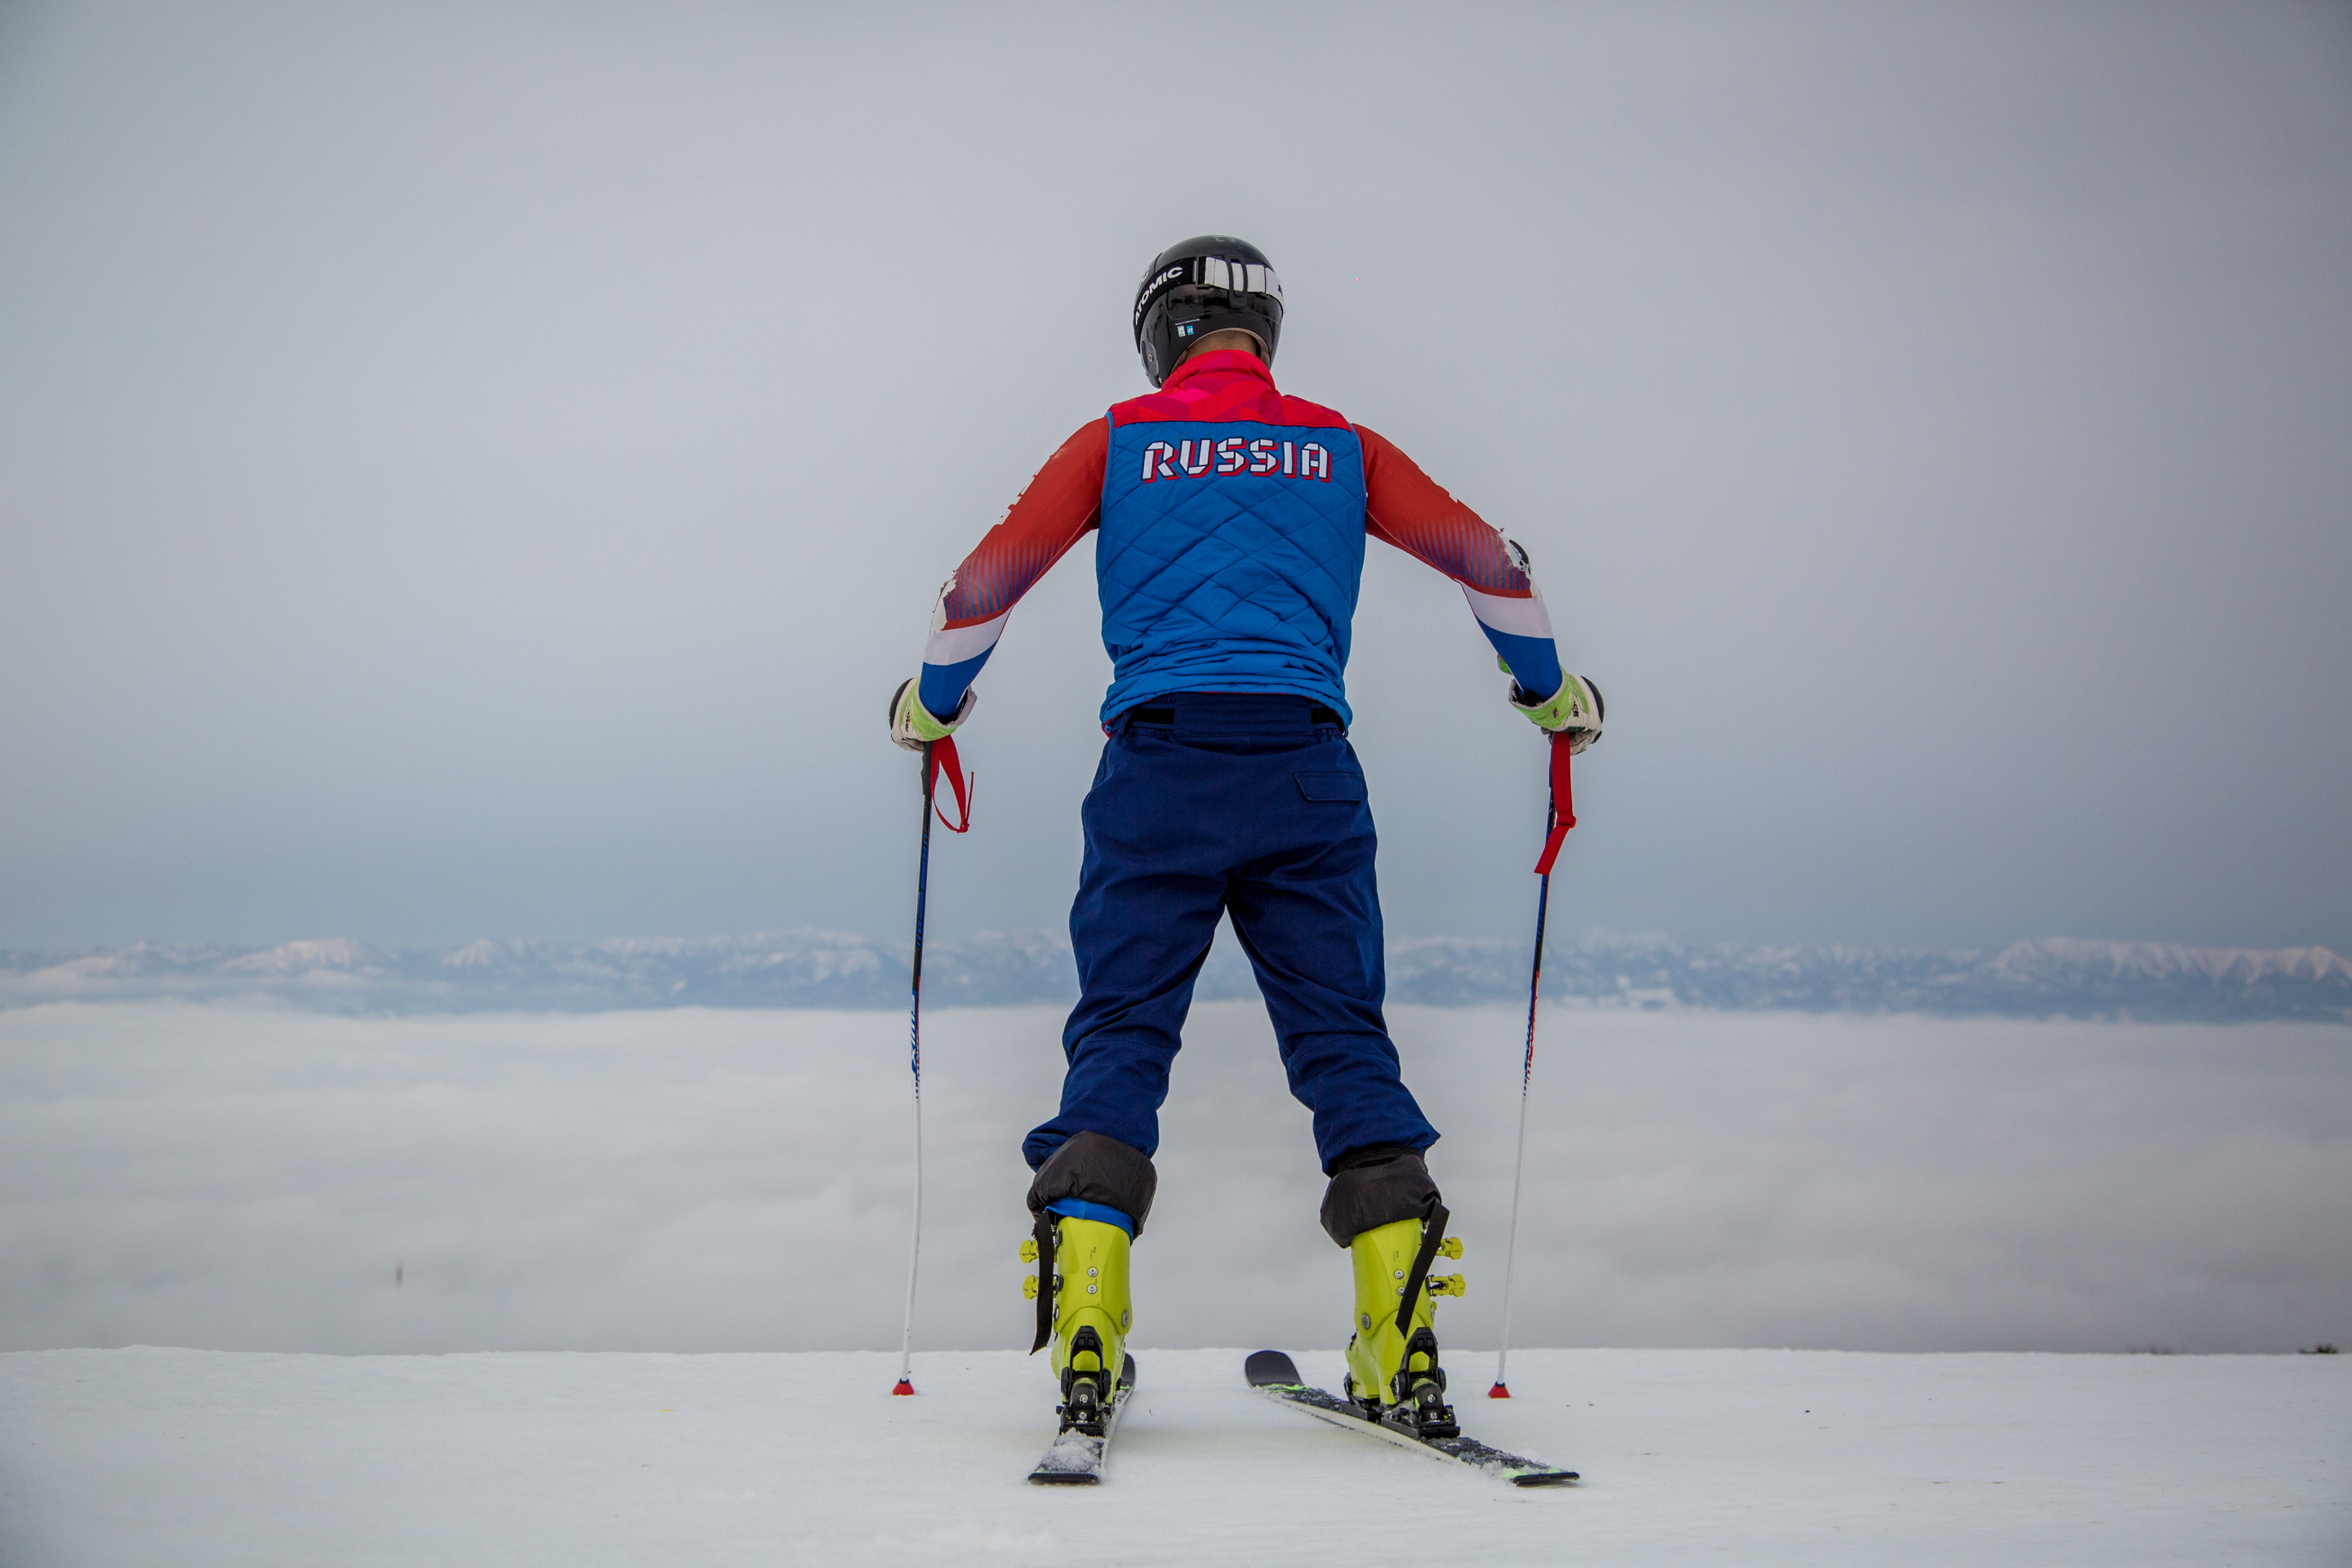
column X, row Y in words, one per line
column 696, row 1179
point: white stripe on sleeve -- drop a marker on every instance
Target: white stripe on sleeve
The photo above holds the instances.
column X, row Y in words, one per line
column 954, row 647
column 1516, row 617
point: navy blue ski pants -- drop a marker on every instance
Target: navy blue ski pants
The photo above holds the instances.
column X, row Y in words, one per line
column 1209, row 802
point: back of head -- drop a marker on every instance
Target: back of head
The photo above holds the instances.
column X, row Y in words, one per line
column 1209, row 283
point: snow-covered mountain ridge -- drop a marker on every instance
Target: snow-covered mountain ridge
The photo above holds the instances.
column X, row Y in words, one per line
column 2053, row 977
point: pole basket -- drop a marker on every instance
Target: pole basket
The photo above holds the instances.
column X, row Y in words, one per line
column 906, row 1387
column 1498, row 1391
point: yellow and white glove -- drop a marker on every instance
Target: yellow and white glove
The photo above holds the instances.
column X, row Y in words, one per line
column 1576, row 709
column 912, row 724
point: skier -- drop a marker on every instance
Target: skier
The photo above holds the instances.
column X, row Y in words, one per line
column 1232, row 521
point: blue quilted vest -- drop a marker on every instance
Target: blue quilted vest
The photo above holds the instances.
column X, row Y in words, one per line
column 1229, row 559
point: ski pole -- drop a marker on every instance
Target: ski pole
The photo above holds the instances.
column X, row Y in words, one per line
column 936, row 755
column 1558, row 820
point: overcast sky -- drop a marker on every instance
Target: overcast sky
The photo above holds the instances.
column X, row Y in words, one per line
column 482, row 470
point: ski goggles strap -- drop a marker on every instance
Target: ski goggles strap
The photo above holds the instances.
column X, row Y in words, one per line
column 1563, row 803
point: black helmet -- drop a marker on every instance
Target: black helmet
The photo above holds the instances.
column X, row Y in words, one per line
column 1213, row 283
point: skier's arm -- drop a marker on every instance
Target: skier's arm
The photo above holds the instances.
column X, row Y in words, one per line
column 1406, row 508
column 1051, row 515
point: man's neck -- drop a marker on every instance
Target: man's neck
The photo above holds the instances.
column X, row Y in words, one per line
column 1227, row 338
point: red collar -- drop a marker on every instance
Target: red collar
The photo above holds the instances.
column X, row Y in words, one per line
column 1238, row 361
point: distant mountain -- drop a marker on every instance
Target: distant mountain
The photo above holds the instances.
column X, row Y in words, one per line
column 2057, row 977
column 2054, row 977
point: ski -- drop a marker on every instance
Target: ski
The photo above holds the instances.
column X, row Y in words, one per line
column 1274, row 1374
column 1077, row 1458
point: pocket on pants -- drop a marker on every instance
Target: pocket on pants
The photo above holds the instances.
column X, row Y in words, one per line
column 1330, row 786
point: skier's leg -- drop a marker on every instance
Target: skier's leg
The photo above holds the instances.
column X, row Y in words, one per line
column 1151, row 892
column 1149, row 896
column 1306, row 909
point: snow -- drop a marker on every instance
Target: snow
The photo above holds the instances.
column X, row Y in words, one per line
column 190, row 1458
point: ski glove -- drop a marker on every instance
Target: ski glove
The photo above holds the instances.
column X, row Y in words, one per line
column 1575, row 710
column 912, row 724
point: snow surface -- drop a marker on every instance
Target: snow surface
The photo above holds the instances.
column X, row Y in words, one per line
column 189, row 1458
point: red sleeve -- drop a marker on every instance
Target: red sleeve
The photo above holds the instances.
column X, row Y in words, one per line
column 1406, row 508
column 1050, row 514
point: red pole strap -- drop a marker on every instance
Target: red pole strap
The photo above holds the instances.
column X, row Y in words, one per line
column 1563, row 804
column 943, row 755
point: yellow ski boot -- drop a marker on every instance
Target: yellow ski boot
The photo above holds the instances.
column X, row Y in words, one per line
column 1392, row 1367
column 1083, row 1306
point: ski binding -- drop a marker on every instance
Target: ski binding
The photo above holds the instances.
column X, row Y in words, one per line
column 1078, row 1455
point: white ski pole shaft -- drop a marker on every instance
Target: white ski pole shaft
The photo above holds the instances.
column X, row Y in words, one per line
column 906, row 1383
column 1502, row 1389
column 1511, row 1253
column 914, row 1257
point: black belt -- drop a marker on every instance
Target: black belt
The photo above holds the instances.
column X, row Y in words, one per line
column 1317, row 714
